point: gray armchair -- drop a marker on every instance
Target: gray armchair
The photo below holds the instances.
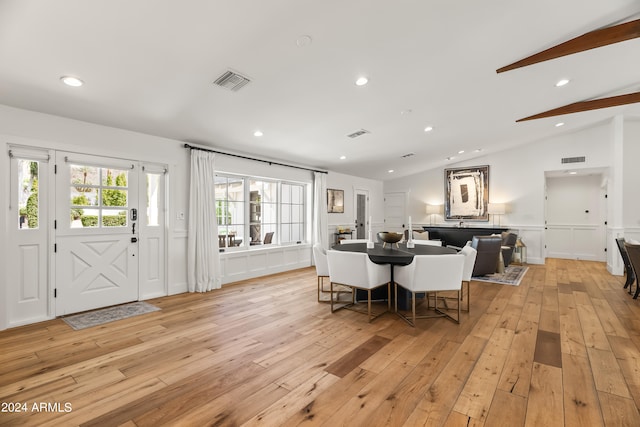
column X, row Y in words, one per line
column 488, row 248
column 508, row 246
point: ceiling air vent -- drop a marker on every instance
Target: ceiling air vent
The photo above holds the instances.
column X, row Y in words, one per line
column 406, row 156
column 581, row 159
column 358, row 133
column 232, row 81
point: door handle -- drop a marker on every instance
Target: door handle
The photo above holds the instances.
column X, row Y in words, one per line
column 134, row 239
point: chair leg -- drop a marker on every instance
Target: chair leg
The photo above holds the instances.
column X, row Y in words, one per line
column 331, row 296
column 369, row 304
column 413, row 307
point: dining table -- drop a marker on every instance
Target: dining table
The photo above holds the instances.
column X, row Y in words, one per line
column 394, row 256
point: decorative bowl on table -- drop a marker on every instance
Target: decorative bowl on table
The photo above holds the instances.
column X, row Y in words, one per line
column 389, row 237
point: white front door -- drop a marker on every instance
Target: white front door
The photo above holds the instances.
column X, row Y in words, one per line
column 96, row 235
column 28, row 234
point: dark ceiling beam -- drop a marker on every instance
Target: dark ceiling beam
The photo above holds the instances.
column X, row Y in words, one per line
column 591, row 40
column 593, row 104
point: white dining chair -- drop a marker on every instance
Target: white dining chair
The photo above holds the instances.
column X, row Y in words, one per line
column 428, row 242
column 469, row 261
column 355, row 270
column 430, row 274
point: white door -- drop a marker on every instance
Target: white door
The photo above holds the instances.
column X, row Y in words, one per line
column 152, row 232
column 575, row 217
column 361, row 203
column 96, row 236
column 28, row 234
column 395, row 211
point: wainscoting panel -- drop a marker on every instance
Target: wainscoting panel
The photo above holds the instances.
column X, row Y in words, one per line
column 242, row 265
column 586, row 242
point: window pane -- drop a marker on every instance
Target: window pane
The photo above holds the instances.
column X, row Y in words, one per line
column 286, row 193
column 153, row 201
column 84, row 218
column 236, row 189
column 270, row 192
column 222, row 212
column 286, row 214
column 84, row 175
column 296, row 213
column 296, row 194
column 111, row 218
column 286, row 233
column 269, row 213
column 114, row 197
column 235, row 213
column 114, row 178
column 296, row 234
column 29, row 207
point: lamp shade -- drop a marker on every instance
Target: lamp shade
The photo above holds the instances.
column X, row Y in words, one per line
column 433, row 209
column 496, row 208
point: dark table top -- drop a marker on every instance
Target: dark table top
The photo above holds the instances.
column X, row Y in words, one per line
column 393, row 255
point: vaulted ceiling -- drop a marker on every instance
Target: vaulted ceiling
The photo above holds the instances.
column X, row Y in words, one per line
column 149, row 65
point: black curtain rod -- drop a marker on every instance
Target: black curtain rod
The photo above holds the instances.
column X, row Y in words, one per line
column 252, row 158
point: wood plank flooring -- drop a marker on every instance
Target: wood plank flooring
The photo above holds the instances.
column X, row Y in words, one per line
column 561, row 349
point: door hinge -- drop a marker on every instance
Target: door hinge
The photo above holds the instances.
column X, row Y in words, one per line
column 605, row 223
column 55, row 224
column 55, row 169
column 55, row 248
column 605, row 249
column 55, row 293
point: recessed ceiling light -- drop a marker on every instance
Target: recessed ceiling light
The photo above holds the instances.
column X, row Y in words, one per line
column 562, row 82
column 391, row 171
column 428, row 129
column 362, row 81
column 573, row 173
column 461, row 152
column 559, row 124
column 258, row 133
column 343, row 157
column 71, row 81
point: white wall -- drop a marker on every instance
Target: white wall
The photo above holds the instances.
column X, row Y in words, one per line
column 517, row 178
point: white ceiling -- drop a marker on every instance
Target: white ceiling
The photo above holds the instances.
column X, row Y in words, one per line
column 148, row 66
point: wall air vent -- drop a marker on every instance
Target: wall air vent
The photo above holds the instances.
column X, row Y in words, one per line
column 581, row 159
column 358, row 133
column 232, row 81
column 406, row 156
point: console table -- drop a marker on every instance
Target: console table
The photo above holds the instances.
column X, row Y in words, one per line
column 459, row 236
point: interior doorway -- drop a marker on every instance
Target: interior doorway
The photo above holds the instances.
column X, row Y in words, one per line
column 575, row 215
column 362, row 212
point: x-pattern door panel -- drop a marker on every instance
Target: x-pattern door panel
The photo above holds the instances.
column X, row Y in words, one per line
column 100, row 271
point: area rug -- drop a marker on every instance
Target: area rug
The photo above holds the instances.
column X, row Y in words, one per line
column 512, row 275
column 110, row 314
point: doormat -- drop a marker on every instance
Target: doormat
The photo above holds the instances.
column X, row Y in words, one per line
column 110, row 314
column 512, row 275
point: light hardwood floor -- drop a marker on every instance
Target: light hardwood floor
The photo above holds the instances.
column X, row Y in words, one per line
column 561, row 349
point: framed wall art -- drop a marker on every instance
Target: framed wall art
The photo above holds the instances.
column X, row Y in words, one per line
column 335, row 201
column 466, row 193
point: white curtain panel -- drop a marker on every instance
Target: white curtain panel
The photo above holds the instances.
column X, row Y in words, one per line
column 320, row 216
column 203, row 256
